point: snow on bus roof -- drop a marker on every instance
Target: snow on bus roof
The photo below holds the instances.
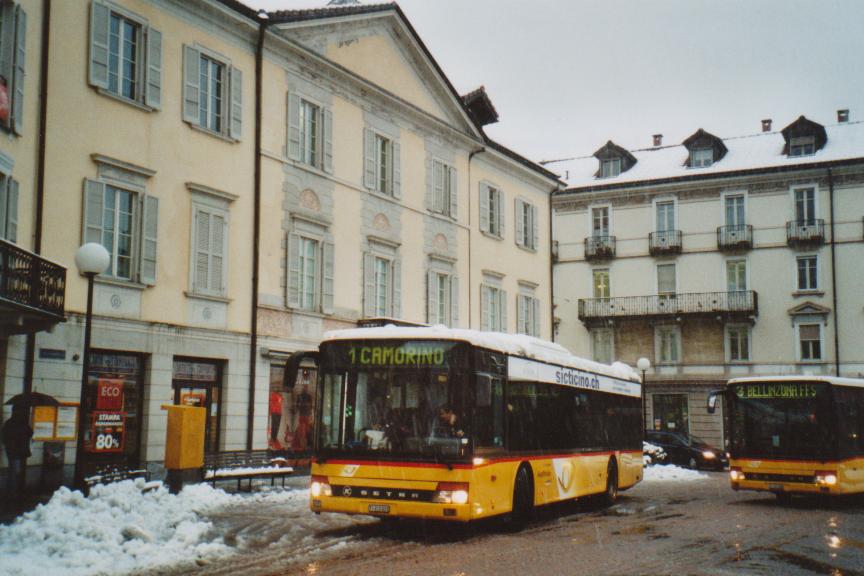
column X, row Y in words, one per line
column 801, row 378
column 514, row 344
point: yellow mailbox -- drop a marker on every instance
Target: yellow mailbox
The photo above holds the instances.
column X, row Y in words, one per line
column 184, row 444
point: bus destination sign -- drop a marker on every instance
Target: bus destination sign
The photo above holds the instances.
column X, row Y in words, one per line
column 411, row 355
column 792, row 390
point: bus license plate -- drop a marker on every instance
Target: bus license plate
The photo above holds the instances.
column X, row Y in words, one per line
column 379, row 508
column 775, row 487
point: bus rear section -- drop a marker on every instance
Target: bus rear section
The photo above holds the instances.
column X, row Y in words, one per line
column 797, row 435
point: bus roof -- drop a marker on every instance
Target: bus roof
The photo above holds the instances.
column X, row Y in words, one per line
column 513, row 344
column 801, row 378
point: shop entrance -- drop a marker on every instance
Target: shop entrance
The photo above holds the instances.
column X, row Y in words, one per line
column 671, row 413
column 198, row 382
column 291, row 413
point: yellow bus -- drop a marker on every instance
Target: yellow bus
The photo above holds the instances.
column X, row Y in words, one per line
column 795, row 434
column 459, row 425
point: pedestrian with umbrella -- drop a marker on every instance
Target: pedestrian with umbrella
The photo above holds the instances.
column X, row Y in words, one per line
column 17, row 434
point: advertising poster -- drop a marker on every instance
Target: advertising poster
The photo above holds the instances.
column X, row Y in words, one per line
column 108, row 432
column 193, row 398
column 67, row 422
column 109, row 394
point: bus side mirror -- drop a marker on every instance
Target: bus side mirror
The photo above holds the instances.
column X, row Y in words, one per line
column 483, row 391
column 712, row 400
column 292, row 367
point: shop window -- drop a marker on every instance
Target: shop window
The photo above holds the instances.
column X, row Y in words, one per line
column 290, row 421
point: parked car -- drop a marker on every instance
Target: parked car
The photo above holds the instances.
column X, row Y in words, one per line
column 688, row 451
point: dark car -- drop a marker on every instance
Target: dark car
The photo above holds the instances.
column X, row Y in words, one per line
column 687, row 450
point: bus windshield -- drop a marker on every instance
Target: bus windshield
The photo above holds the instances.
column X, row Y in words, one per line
column 782, row 420
column 393, row 398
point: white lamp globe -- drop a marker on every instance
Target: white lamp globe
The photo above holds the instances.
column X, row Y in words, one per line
column 643, row 364
column 92, row 258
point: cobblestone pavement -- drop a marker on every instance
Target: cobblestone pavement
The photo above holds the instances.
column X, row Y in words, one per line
column 699, row 527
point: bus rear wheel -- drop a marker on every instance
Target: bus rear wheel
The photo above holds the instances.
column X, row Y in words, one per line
column 611, row 494
column 523, row 496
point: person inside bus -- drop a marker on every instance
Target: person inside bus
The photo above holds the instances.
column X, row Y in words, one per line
column 445, row 424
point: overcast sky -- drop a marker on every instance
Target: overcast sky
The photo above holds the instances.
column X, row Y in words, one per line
column 568, row 75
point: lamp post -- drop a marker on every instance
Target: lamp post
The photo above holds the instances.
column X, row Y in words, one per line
column 644, row 364
column 91, row 259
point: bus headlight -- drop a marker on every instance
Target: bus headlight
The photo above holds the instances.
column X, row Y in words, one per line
column 451, row 493
column 708, row 455
column 826, row 477
column 736, row 475
column 320, row 486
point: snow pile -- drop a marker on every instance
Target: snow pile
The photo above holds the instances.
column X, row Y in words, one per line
column 119, row 528
column 672, row 474
column 652, row 454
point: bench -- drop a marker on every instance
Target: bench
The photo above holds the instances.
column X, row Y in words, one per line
column 108, row 473
column 248, row 465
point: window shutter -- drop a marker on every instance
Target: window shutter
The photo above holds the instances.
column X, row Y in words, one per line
column 201, row 282
column 191, row 88
column 368, row 285
column 535, row 328
column 149, row 230
column 454, row 302
column 502, row 302
column 328, row 140
column 432, row 298
column 454, row 192
column 18, row 73
column 397, row 171
column 430, row 195
column 484, row 307
column 100, row 21
column 11, row 233
column 235, row 127
column 328, row 283
column 438, row 186
column 293, row 280
column 368, row 159
column 397, row 289
column 520, row 313
column 535, row 238
column 502, row 219
column 153, row 85
column 484, row 207
column 7, row 49
column 217, row 254
column 5, row 183
column 520, row 223
column 94, row 202
column 293, row 126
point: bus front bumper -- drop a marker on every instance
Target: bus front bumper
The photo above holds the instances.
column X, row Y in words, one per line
column 785, row 481
column 390, row 508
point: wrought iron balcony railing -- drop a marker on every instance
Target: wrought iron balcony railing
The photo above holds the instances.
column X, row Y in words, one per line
column 735, row 237
column 599, row 247
column 737, row 304
column 805, row 232
column 31, row 284
column 664, row 242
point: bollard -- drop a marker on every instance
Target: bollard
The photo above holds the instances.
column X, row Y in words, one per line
column 184, row 445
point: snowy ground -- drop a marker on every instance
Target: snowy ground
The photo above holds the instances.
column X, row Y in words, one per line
column 132, row 526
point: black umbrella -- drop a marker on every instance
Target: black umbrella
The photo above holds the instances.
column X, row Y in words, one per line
column 32, row 399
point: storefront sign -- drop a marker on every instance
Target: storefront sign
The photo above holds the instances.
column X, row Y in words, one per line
column 108, row 432
column 109, row 394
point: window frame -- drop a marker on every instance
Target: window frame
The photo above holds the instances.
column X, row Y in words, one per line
column 733, row 194
column 493, row 313
column 736, row 261
column 595, row 272
column 698, row 157
column 610, row 167
column 659, row 331
column 140, row 25
column 657, row 279
column 447, row 171
column 664, row 200
column 200, row 205
column 794, row 190
column 527, row 213
column 231, row 94
column 311, row 155
column 748, row 332
column 384, row 166
column 799, row 258
column 606, row 332
column 528, row 306
column 135, row 199
column 591, row 215
column 798, row 146
column 494, row 209
column 799, row 351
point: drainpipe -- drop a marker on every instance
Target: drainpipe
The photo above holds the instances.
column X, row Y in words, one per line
column 834, row 277
column 256, row 228
column 552, row 265
column 470, row 248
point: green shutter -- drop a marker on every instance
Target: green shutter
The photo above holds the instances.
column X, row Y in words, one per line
column 191, row 87
column 520, row 222
column 502, row 219
column 100, row 22
column 293, row 280
column 369, row 159
column 535, row 230
column 94, row 202
column 201, row 279
column 235, row 125
column 149, row 239
column 520, row 314
column 432, row 298
column 153, row 84
column 328, row 278
column 368, row 285
column 484, row 207
column 327, row 115
column 5, row 183
column 293, row 126
column 18, row 80
column 454, row 192
column 396, row 309
column 7, row 49
column 397, row 170
column 484, row 304
column 430, row 195
column 503, row 310
column 438, row 186
column 454, row 302
column 535, row 328
column 217, row 254
column 11, row 232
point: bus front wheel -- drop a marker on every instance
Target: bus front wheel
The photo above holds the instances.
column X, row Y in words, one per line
column 523, row 495
column 611, row 494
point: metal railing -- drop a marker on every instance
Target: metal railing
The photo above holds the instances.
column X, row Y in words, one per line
column 31, row 281
column 805, row 232
column 735, row 237
column 664, row 242
column 744, row 303
column 599, row 247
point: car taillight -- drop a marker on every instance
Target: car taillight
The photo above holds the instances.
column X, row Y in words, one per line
column 451, row 493
column 320, row 487
column 736, row 474
column 826, row 477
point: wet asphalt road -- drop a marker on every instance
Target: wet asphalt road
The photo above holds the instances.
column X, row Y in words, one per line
column 699, row 527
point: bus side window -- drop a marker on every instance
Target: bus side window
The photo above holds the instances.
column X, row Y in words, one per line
column 489, row 411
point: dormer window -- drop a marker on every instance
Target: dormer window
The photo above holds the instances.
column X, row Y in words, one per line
column 610, row 168
column 701, row 157
column 703, row 149
column 802, row 146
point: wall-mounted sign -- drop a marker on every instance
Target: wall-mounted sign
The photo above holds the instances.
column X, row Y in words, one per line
column 53, row 423
column 44, row 419
column 51, row 354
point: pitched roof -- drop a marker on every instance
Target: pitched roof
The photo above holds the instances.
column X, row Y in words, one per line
column 302, row 14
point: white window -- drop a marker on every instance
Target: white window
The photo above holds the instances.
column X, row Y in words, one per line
column 493, row 308
column 381, row 296
column 310, row 121
column 667, row 279
column 602, row 285
column 528, row 315
column 802, row 146
column 442, row 296
column 668, row 343
column 444, row 199
column 600, row 221
column 735, row 210
column 13, row 30
column 610, row 168
column 810, row 342
column 125, row 54
column 382, row 164
column 310, row 269
column 736, row 275
column 665, row 216
column 527, row 233
column 8, row 208
column 738, row 343
column 211, row 248
column 383, row 281
column 805, row 206
column 491, row 210
column 808, row 272
column 124, row 221
column 701, row 157
column 602, row 345
column 310, row 133
column 212, row 92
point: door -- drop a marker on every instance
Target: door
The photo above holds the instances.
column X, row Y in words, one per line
column 671, row 413
column 199, row 383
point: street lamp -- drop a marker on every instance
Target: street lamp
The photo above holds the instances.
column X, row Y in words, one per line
column 644, row 364
column 91, row 259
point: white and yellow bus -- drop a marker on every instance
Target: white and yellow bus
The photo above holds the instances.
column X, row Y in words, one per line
column 796, row 434
column 459, row 425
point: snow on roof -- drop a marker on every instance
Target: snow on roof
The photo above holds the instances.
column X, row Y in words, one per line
column 802, row 378
column 763, row 150
column 514, row 344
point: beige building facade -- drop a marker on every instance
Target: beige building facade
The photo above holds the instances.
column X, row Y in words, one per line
column 715, row 258
column 372, row 196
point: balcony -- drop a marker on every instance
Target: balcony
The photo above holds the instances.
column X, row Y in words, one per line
column 735, row 237
column 32, row 291
column 664, row 242
column 732, row 305
column 599, row 247
column 805, row 233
